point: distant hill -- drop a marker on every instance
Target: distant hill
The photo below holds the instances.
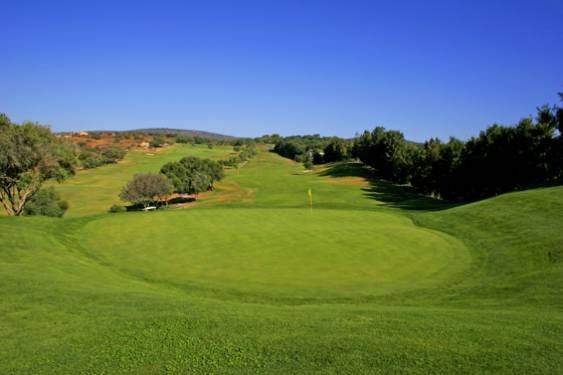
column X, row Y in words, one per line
column 190, row 132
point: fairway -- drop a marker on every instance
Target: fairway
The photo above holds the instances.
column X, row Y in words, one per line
column 250, row 279
column 94, row 191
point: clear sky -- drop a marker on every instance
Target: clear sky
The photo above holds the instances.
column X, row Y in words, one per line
column 247, row 68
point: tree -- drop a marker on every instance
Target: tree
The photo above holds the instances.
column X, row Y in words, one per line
column 308, row 161
column 336, row 150
column 192, row 175
column 289, row 149
column 145, row 188
column 46, row 202
column 113, row 154
column 198, row 182
column 500, row 159
column 4, row 121
column 29, row 155
column 385, row 151
column 206, row 166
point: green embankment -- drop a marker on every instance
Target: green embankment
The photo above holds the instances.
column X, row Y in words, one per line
column 372, row 279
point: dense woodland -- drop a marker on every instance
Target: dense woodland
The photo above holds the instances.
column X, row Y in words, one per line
column 498, row 160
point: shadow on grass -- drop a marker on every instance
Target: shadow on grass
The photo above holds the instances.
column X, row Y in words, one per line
column 178, row 200
column 162, row 204
column 390, row 194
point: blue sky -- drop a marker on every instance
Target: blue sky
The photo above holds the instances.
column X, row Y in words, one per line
column 427, row 68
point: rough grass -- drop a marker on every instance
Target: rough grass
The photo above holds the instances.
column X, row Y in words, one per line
column 375, row 280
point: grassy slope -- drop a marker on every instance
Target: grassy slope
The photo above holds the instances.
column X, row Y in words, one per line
column 70, row 305
column 94, row 191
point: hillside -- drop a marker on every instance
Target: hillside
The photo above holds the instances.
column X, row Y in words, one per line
column 372, row 279
column 190, row 132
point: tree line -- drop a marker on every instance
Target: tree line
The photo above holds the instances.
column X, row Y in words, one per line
column 312, row 149
column 500, row 159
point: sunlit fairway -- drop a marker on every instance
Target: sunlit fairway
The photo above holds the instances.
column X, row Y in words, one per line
column 372, row 279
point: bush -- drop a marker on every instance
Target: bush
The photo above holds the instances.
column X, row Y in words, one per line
column 93, row 158
column 157, row 141
column 117, row 208
column 182, row 138
column 46, row 202
column 90, row 159
column 336, row 150
column 113, row 154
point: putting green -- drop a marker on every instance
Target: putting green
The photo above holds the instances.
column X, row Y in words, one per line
column 277, row 253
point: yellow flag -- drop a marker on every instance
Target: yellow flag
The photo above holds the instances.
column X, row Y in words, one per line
column 310, row 195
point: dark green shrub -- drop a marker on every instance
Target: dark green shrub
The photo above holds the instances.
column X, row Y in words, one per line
column 157, row 141
column 90, row 159
column 182, row 138
column 113, row 154
column 46, row 202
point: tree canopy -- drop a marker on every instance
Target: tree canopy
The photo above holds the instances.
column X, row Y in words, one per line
column 146, row 188
column 29, row 155
column 193, row 175
column 498, row 160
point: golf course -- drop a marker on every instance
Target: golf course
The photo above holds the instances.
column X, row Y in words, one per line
column 282, row 270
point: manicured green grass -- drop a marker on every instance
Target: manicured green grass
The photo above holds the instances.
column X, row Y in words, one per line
column 373, row 280
column 277, row 253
